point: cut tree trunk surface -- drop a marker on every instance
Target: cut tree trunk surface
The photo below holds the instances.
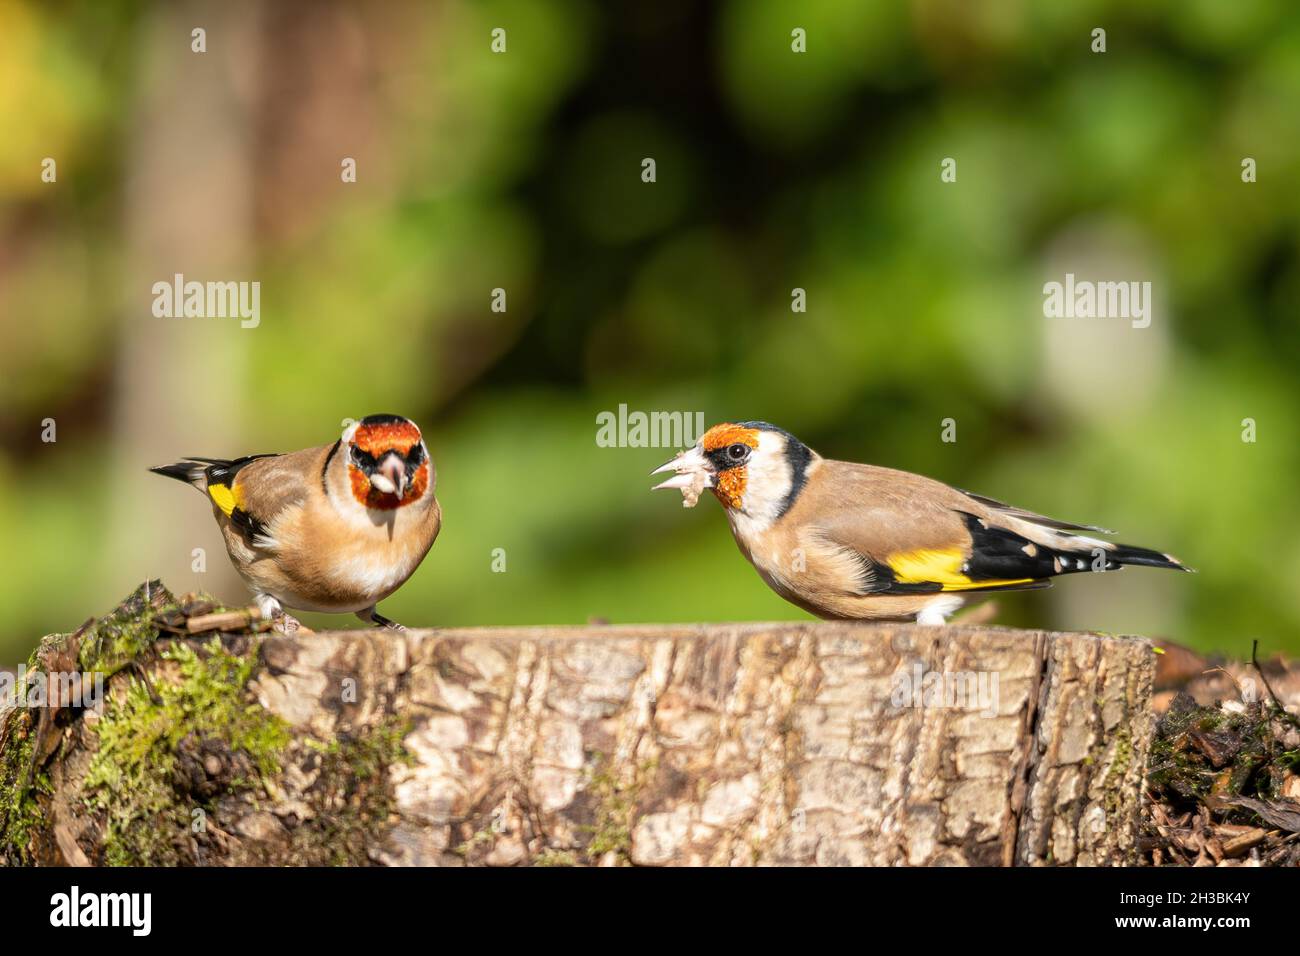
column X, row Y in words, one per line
column 793, row 743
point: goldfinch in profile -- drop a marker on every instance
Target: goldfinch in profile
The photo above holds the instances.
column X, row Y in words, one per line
column 335, row 528
column 849, row 541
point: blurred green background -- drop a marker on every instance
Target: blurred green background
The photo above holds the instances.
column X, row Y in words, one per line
column 775, row 170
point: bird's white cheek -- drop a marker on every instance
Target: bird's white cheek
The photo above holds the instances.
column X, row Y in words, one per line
column 767, row 482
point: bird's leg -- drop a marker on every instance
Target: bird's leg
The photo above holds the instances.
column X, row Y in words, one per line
column 371, row 616
column 267, row 606
column 271, row 610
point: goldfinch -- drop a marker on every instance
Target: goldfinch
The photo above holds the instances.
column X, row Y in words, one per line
column 849, row 541
column 335, row 528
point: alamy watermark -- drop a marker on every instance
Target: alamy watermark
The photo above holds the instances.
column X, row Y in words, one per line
column 179, row 299
column 1085, row 299
column 952, row 690
column 636, row 429
column 133, row 911
column 37, row 689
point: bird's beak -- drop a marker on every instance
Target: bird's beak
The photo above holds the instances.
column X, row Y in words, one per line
column 691, row 466
column 390, row 477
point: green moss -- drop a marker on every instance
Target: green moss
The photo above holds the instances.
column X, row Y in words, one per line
column 151, row 747
column 1113, row 786
column 133, row 776
column 178, row 734
column 615, row 808
column 352, row 800
column 1217, row 764
column 1180, row 768
column 22, row 810
column 608, row 801
column 101, row 647
column 549, row 857
column 478, row 840
column 113, row 642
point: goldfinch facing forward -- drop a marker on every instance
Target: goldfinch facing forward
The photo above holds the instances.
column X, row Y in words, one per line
column 335, row 528
column 849, row 541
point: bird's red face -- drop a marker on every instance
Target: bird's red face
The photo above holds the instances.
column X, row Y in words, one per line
column 719, row 462
column 728, row 448
column 388, row 464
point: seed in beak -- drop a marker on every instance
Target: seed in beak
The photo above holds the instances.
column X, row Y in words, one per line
column 390, row 477
column 693, row 476
column 684, row 480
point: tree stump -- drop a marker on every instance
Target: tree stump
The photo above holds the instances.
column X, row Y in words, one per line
column 799, row 743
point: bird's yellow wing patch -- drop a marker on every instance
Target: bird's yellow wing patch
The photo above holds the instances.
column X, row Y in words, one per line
column 224, row 497
column 940, row 566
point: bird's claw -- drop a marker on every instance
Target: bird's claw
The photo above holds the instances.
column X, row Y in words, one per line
column 285, row 623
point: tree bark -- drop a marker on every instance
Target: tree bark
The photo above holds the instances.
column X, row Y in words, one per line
column 724, row 744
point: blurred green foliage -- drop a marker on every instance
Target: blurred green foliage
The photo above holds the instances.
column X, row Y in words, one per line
column 775, row 170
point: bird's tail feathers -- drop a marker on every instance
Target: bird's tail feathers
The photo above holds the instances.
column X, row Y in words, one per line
column 192, row 471
column 1078, row 552
column 1086, row 554
column 1130, row 554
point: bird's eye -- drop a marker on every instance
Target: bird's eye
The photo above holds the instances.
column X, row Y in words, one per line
column 737, row 452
